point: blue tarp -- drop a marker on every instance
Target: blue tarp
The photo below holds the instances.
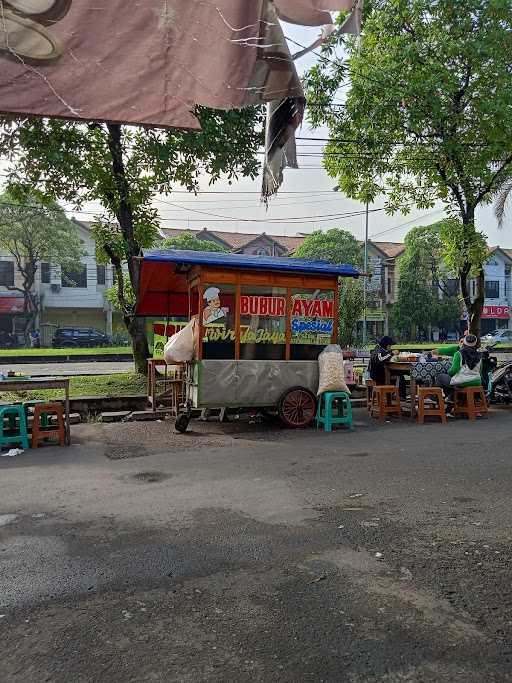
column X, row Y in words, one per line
column 244, row 261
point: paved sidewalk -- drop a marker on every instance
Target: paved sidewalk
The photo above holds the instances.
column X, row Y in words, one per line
column 244, row 553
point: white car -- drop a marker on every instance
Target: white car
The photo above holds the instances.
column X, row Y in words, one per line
column 504, row 336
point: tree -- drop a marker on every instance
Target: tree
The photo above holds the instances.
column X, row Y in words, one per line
column 123, row 168
column 424, row 297
column 32, row 232
column 427, row 116
column 189, row 241
column 339, row 246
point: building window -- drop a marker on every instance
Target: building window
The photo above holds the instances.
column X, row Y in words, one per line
column 75, row 276
column 261, row 251
column 7, row 273
column 492, row 289
column 101, row 275
column 507, row 281
column 45, row 273
column 389, row 285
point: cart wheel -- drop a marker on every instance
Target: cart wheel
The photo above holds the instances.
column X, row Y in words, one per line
column 181, row 423
column 297, row 407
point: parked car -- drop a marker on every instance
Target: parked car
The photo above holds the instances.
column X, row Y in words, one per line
column 504, row 336
column 79, row 337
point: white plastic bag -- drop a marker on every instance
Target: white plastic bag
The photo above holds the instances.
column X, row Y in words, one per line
column 331, row 371
column 181, row 346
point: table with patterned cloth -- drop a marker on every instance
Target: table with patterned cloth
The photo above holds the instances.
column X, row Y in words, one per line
column 426, row 373
column 420, row 373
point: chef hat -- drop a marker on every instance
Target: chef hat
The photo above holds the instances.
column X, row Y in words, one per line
column 211, row 293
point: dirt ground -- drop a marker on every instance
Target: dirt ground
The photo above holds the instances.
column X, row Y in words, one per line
column 253, row 553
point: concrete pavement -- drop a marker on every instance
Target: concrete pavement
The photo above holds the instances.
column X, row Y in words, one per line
column 246, row 554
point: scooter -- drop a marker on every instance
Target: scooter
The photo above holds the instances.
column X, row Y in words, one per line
column 499, row 378
column 500, row 384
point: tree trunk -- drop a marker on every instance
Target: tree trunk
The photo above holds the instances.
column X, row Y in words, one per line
column 478, row 303
column 137, row 329
column 124, row 212
column 473, row 308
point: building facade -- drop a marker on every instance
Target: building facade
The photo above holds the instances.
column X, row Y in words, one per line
column 383, row 276
column 68, row 297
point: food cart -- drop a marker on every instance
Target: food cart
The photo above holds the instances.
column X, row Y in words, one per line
column 262, row 323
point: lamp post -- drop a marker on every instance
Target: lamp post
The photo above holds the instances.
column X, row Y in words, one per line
column 365, row 271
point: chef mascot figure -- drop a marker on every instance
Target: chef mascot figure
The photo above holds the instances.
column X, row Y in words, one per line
column 212, row 311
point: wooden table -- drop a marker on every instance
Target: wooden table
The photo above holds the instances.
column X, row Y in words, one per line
column 42, row 383
column 172, row 385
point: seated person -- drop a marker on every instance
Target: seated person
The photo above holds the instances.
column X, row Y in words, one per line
column 465, row 370
column 381, row 355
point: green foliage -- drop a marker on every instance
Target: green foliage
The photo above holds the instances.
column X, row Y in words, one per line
column 122, row 384
column 339, row 246
column 36, row 231
column 461, row 247
column 112, row 293
column 334, row 246
column 423, row 279
column 188, row 240
column 351, row 310
column 123, row 168
column 427, row 115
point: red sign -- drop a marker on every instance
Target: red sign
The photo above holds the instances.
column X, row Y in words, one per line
column 263, row 305
column 276, row 306
column 313, row 308
column 11, row 304
column 500, row 312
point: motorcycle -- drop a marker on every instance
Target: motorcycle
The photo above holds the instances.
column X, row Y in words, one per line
column 498, row 377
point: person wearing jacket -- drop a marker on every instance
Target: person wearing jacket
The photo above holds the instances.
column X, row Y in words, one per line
column 465, row 369
column 381, row 355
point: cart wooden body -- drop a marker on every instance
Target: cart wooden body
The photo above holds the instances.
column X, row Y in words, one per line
column 261, row 324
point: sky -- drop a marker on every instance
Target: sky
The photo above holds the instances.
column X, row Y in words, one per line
column 305, row 202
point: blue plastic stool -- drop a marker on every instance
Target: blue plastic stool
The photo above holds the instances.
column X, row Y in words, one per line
column 338, row 401
column 11, row 413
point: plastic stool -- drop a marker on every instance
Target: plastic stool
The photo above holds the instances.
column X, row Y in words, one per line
column 470, row 401
column 385, row 401
column 325, row 413
column 425, row 410
column 40, row 433
column 11, row 413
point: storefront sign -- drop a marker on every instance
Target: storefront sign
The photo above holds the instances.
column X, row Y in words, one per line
column 300, row 326
column 500, row 312
column 12, row 304
column 313, row 308
column 272, row 306
column 263, row 305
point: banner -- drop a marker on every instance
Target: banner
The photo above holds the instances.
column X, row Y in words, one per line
column 151, row 62
column 147, row 62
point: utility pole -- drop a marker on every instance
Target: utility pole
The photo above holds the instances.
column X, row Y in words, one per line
column 365, row 271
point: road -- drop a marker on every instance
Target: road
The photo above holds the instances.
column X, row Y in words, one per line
column 68, row 369
column 239, row 553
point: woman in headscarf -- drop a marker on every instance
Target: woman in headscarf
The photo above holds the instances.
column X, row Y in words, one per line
column 465, row 370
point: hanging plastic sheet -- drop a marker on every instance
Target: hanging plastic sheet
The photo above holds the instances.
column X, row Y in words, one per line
column 152, row 62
